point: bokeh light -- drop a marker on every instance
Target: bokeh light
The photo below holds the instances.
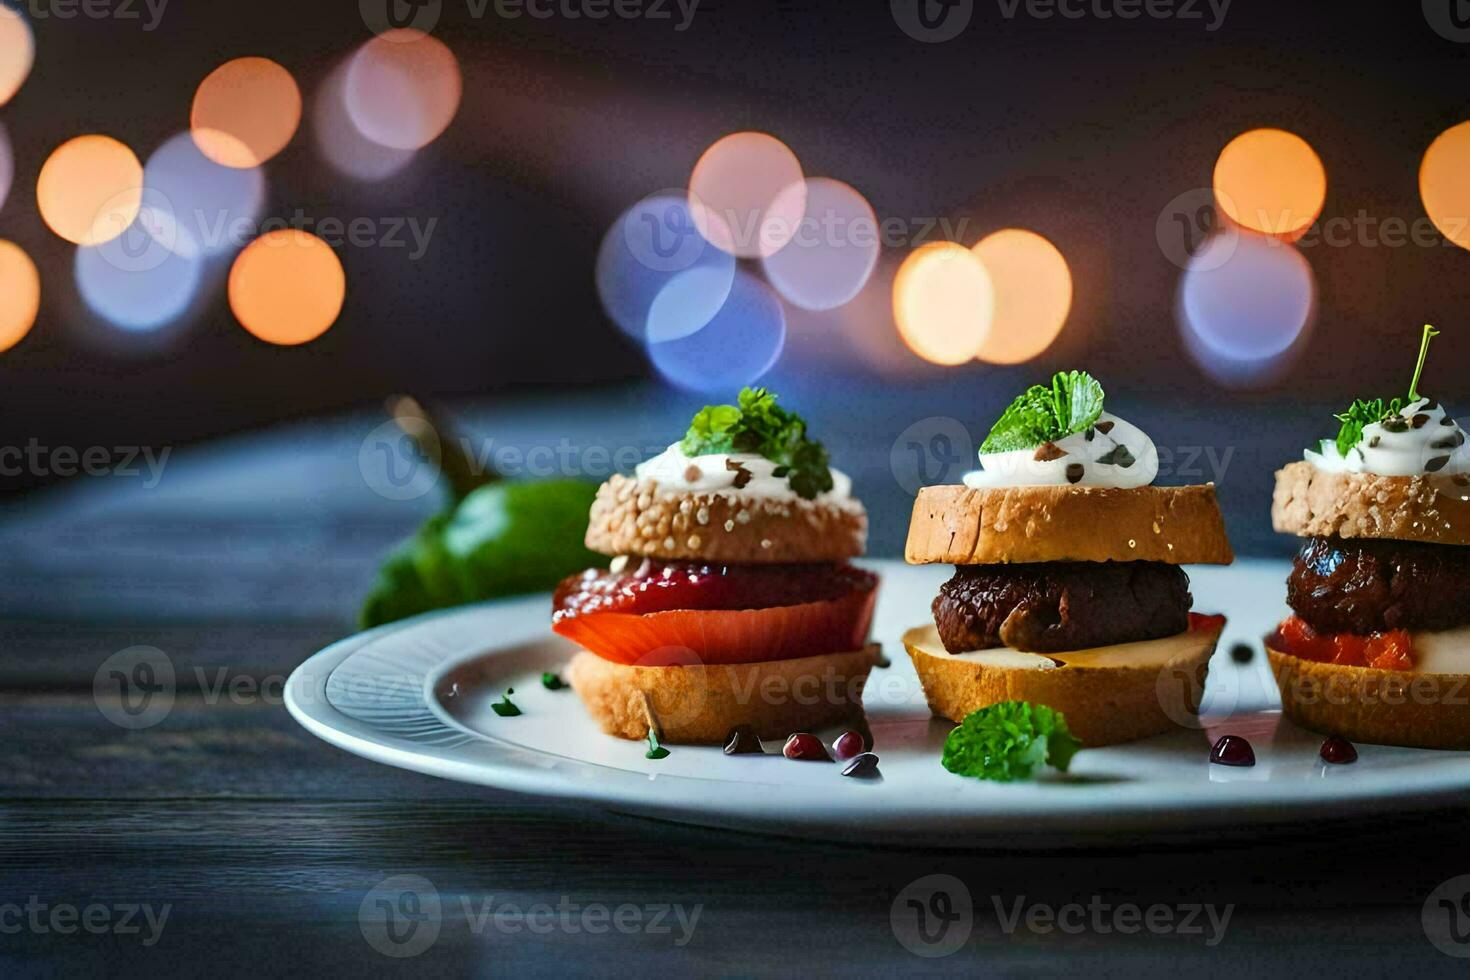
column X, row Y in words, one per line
column 1271, row 181
column 341, row 143
column 7, row 166
column 134, row 281
column 1033, row 294
column 832, row 255
column 650, row 244
column 1243, row 317
column 944, row 303
column 197, row 206
column 747, row 194
column 20, row 294
column 287, row 287
column 1444, row 186
column 739, row 344
column 245, row 112
column 90, row 189
column 403, row 88
column 17, row 52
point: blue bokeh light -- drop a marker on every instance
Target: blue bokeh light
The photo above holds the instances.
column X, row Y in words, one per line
column 646, row 248
column 736, row 347
column 136, row 283
column 1246, row 304
column 199, row 207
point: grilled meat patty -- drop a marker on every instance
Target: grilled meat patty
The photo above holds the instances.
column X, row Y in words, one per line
column 1051, row 607
column 1372, row 585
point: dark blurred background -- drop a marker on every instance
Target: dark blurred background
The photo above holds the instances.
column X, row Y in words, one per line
column 1082, row 129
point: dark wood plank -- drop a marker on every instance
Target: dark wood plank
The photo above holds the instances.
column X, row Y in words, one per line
column 59, row 656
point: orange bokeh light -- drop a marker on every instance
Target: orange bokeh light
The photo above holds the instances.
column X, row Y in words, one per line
column 944, row 303
column 245, row 112
column 90, row 189
column 1442, row 183
column 17, row 52
column 20, row 294
column 1033, row 294
column 747, row 194
column 1271, row 181
column 287, row 287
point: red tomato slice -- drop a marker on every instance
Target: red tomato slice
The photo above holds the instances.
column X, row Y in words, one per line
column 691, row 636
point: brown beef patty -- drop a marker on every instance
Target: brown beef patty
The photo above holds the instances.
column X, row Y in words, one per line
column 1372, row 585
column 1051, row 607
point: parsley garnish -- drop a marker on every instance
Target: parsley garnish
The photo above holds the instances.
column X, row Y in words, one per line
column 552, row 682
column 1363, row 413
column 758, row 425
column 1008, row 741
column 1073, row 403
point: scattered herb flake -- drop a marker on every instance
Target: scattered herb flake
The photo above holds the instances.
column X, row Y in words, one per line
column 552, row 682
column 655, row 750
column 506, row 708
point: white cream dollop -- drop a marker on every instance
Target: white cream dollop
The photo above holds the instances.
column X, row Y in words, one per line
column 1421, row 440
column 716, row 473
column 1113, row 453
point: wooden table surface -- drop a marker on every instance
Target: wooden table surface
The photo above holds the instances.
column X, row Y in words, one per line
column 263, row 846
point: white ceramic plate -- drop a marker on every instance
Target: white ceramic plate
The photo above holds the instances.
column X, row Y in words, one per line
column 418, row 695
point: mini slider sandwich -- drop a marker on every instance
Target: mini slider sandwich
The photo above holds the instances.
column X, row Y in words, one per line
column 1378, row 646
column 731, row 601
column 1068, row 590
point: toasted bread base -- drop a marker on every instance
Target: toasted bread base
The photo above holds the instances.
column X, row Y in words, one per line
column 1384, row 707
column 637, row 517
column 699, row 705
column 1108, row 694
column 961, row 526
column 1311, row 503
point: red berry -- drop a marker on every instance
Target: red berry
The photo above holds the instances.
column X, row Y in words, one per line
column 1232, row 750
column 1339, row 750
column 805, row 747
column 849, row 744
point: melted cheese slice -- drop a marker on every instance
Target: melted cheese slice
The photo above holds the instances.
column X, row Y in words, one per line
column 1442, row 653
column 1151, row 654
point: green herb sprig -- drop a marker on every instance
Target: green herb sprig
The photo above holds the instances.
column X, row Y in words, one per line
column 758, row 425
column 1009, row 741
column 1072, row 403
column 505, row 707
column 1365, row 412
